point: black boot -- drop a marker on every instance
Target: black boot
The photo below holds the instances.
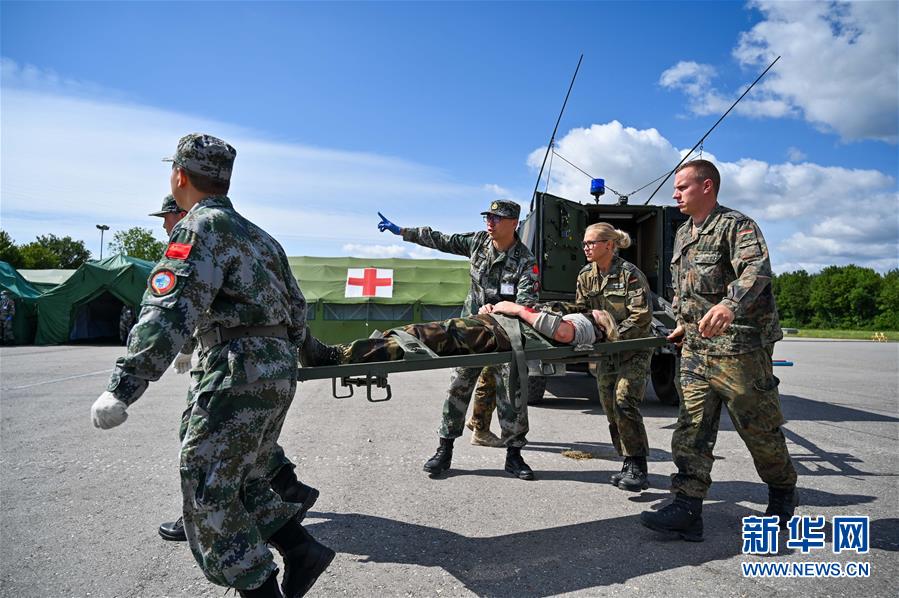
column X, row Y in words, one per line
column 442, row 459
column 782, row 502
column 682, row 518
column 633, row 478
column 269, row 589
column 290, row 489
column 516, row 465
column 616, row 477
column 314, row 353
column 304, row 558
column 173, row 531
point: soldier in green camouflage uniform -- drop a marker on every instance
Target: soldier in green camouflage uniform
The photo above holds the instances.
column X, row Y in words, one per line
column 610, row 283
column 502, row 268
column 226, row 278
column 482, row 407
column 728, row 323
column 7, row 314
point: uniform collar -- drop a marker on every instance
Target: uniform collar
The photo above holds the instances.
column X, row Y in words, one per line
column 711, row 220
column 614, row 268
column 213, row 201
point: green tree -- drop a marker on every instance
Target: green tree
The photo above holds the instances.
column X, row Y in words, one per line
column 888, row 302
column 9, row 252
column 71, row 253
column 36, row 256
column 137, row 242
column 791, row 291
column 844, row 297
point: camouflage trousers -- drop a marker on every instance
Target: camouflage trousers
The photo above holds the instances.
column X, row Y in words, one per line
column 484, row 400
column 512, row 423
column 230, row 509
column 745, row 384
column 7, row 336
column 277, row 460
column 621, row 394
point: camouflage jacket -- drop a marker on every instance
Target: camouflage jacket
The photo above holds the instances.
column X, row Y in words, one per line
column 7, row 309
column 219, row 270
column 495, row 276
column 724, row 262
column 623, row 292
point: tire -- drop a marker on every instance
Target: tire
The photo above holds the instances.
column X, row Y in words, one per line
column 536, row 389
column 663, row 372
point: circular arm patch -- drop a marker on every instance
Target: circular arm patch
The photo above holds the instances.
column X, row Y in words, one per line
column 162, row 282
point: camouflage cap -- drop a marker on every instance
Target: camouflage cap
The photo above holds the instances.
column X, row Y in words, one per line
column 503, row 208
column 205, row 155
column 168, row 207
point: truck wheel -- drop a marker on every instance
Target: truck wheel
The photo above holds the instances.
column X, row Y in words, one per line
column 664, row 377
column 536, row 389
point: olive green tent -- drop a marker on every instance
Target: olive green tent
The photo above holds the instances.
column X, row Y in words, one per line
column 25, row 296
column 44, row 280
column 422, row 290
column 88, row 304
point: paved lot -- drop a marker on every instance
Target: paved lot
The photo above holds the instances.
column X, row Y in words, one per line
column 80, row 507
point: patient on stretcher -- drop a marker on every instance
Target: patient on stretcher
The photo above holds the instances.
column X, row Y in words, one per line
column 481, row 333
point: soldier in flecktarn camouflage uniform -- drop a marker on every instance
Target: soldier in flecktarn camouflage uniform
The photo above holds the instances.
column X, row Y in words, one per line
column 502, row 268
column 613, row 284
column 7, row 314
column 728, row 323
column 228, row 279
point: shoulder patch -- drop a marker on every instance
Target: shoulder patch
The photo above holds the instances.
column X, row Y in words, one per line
column 162, row 282
column 178, row 251
column 585, row 269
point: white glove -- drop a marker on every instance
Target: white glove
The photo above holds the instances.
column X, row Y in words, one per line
column 182, row 363
column 108, row 412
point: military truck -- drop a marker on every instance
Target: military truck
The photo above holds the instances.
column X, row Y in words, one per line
column 554, row 230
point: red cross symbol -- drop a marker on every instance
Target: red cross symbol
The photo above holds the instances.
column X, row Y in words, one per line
column 369, row 282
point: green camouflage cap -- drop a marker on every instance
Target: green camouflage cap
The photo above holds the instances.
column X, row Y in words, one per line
column 205, row 155
column 503, row 208
column 168, row 207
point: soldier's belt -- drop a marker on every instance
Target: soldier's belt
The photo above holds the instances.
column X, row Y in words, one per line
column 219, row 335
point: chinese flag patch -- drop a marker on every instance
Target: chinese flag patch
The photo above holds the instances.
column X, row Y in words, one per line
column 178, row 251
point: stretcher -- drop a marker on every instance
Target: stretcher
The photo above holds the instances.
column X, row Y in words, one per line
column 419, row 357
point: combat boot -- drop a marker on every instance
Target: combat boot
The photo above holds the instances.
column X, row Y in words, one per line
column 290, row 489
column 304, row 558
column 173, row 531
column 516, row 465
column 633, row 477
column 442, row 459
column 485, row 438
column 314, row 353
column 616, row 477
column 269, row 589
column 782, row 502
column 682, row 518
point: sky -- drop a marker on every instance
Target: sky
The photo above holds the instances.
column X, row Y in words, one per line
column 428, row 111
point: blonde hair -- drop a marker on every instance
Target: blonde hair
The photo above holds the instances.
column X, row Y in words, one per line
column 606, row 232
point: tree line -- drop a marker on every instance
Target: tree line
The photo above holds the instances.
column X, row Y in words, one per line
column 841, row 297
column 49, row 252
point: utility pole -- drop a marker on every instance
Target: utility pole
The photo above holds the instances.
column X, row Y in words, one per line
column 102, row 228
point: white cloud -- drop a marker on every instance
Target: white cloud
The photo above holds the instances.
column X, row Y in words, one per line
column 794, row 154
column 811, row 214
column 839, row 68
column 374, row 251
column 499, row 192
column 72, row 160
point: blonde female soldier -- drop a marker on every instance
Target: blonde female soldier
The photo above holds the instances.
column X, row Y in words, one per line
column 608, row 282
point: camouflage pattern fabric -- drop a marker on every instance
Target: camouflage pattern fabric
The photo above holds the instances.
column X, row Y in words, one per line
column 745, row 384
column 503, row 208
column 7, row 313
column 624, row 292
column 229, row 507
column 220, row 270
column 205, row 155
column 484, row 403
column 495, row 276
column 725, row 261
column 126, row 321
column 168, row 206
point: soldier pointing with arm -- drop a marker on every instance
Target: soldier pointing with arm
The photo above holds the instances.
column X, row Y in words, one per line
column 228, row 279
column 728, row 324
column 502, row 268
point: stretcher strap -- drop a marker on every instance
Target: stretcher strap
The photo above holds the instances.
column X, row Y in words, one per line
column 518, row 375
column 413, row 348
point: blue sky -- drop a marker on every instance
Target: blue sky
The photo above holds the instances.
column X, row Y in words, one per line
column 428, row 111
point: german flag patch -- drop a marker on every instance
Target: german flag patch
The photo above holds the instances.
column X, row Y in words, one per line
column 745, row 231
